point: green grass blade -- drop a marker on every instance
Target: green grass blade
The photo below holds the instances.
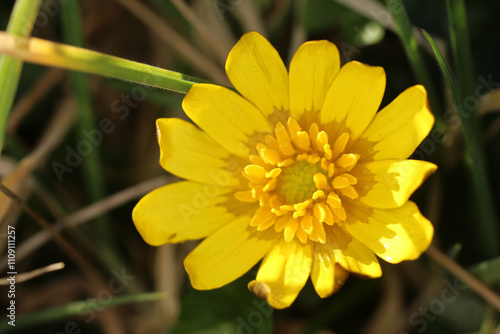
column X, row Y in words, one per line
column 486, row 224
column 77, row 308
column 405, row 33
column 460, row 46
column 92, row 167
column 43, row 52
column 72, row 33
column 21, row 23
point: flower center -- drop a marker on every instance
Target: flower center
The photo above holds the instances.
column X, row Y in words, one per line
column 296, row 183
column 300, row 179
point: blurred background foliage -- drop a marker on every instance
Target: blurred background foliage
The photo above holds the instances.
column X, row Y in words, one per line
column 95, row 203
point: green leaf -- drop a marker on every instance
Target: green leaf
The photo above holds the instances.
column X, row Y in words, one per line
column 487, row 271
column 232, row 309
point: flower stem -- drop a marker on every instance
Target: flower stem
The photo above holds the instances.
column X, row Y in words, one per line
column 474, row 284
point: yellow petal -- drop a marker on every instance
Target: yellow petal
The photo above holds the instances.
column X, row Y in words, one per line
column 312, row 70
column 352, row 255
column 181, row 211
column 398, row 129
column 225, row 116
column 226, row 255
column 354, row 97
column 283, row 273
column 258, row 73
column 191, row 154
column 393, row 181
column 326, row 276
column 394, row 235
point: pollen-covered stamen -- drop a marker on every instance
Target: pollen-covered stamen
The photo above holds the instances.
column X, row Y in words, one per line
column 300, row 179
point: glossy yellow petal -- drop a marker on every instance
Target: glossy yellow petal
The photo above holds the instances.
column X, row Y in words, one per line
column 312, row 70
column 181, row 211
column 398, row 129
column 226, row 255
column 326, row 276
column 354, row 97
column 283, row 273
column 225, row 116
column 352, row 255
column 191, row 154
column 258, row 73
column 394, row 235
column 391, row 181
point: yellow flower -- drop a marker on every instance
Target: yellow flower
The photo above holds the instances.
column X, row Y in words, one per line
column 299, row 170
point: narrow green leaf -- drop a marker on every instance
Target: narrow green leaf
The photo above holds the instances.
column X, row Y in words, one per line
column 405, row 32
column 77, row 308
column 486, row 224
column 43, row 52
column 21, row 23
column 92, row 167
column 460, row 46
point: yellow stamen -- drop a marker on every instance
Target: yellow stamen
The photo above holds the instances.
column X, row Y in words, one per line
column 270, row 185
column 300, row 179
column 340, row 182
column 245, row 196
column 274, row 173
column 320, row 181
column 303, row 140
column 340, row 144
column 347, row 160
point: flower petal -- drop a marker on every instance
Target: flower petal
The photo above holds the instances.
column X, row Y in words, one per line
column 327, row 277
column 191, row 154
column 398, row 129
column 256, row 70
column 225, row 116
column 181, row 211
column 354, row 97
column 283, row 273
column 339, row 255
column 226, row 255
column 392, row 181
column 352, row 255
column 312, row 70
column 394, row 235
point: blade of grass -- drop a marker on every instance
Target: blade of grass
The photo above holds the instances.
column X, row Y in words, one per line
column 460, row 46
column 43, row 52
column 21, row 23
column 77, row 308
column 92, row 166
column 487, row 228
column 462, row 56
column 405, row 32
